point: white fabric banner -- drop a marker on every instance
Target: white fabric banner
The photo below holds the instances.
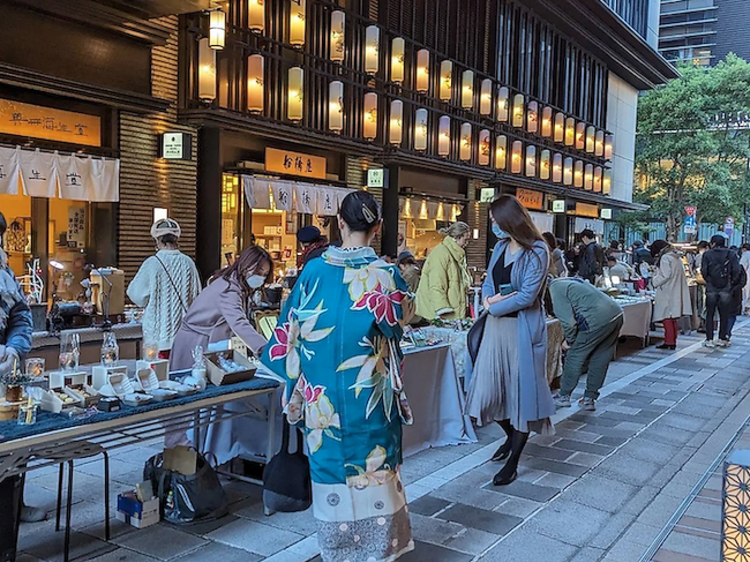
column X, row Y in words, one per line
column 104, row 185
column 327, row 202
column 75, row 177
column 39, row 173
column 248, row 189
column 9, row 171
column 543, row 221
column 261, row 196
column 282, row 195
column 596, row 225
column 306, row 198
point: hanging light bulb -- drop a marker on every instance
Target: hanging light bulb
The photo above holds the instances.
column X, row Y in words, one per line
column 467, row 89
column 372, row 49
column 395, row 132
column 336, row 106
column 532, row 117
column 580, row 135
column 590, row 139
column 598, row 179
column 570, row 131
column 607, row 182
column 255, row 93
column 370, row 128
column 484, row 148
column 444, row 136
column 465, row 152
column 398, row 49
column 599, row 142
column 206, row 71
column 518, row 101
column 297, row 18
column 338, row 30
column 446, row 80
column 559, row 134
column 502, row 104
column 420, row 129
column 217, row 29
column 609, row 143
column 530, row 161
column 588, row 177
column 557, row 167
column 485, row 97
column 515, row 157
column 544, row 165
column 578, row 174
column 568, row 171
column 423, row 70
column 501, row 144
column 295, row 94
column 256, row 15
column 547, row 122
column 440, row 212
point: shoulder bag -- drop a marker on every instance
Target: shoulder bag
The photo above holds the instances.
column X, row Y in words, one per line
column 286, row 477
column 475, row 335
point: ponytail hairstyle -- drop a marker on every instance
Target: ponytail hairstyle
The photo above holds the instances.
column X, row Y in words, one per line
column 360, row 211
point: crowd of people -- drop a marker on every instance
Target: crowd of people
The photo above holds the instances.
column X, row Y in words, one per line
column 336, row 344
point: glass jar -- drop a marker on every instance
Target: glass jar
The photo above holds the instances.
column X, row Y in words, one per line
column 27, row 413
column 70, row 351
column 150, row 351
column 35, row 366
column 110, row 350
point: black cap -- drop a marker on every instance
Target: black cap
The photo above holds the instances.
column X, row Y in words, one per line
column 405, row 255
column 588, row 233
column 308, row 234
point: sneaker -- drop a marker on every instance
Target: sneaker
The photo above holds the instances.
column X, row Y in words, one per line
column 561, row 400
column 32, row 514
column 709, row 343
column 723, row 343
column 589, row 404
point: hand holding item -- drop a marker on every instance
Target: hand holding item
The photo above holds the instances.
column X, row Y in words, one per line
column 565, row 345
column 498, row 297
column 8, row 360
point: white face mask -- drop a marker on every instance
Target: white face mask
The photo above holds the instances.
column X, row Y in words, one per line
column 255, row 281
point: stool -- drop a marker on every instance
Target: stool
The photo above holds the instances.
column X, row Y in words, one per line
column 68, row 454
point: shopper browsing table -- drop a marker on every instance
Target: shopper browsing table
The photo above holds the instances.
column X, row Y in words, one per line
column 337, row 348
column 509, row 381
column 721, row 271
column 672, row 300
column 592, row 322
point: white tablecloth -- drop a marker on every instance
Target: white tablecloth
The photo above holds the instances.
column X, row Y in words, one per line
column 431, row 382
column 636, row 319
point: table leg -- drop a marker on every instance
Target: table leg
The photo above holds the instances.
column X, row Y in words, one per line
column 197, row 431
column 66, row 553
column 59, row 497
column 106, row 495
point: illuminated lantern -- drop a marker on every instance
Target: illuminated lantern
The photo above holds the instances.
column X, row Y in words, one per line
column 532, row 117
column 465, row 152
column 578, row 174
column 398, row 48
column 590, row 139
column 217, row 29
column 515, row 157
column 446, row 80
column 420, row 129
column 395, row 133
column 338, row 20
column 570, row 131
column 502, row 104
column 598, row 179
column 297, row 17
column 607, row 182
column 518, row 102
column 423, row 70
column 599, row 142
column 547, row 122
column 484, row 147
column 580, row 143
column 336, row 106
column 372, row 49
column 609, row 142
column 501, row 145
column 568, row 171
column 485, row 97
column 530, row 161
column 444, row 136
column 370, row 128
column 557, row 167
column 206, row 71
column 544, row 165
column 559, row 134
column 467, row 89
column 295, row 93
column 255, row 94
column 588, row 177
column 256, row 15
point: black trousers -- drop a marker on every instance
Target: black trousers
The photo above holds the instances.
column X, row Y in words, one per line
column 721, row 300
column 10, row 498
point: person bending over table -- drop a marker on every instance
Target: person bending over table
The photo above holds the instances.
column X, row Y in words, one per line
column 592, row 322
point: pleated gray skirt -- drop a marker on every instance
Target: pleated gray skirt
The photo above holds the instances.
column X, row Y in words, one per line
column 494, row 391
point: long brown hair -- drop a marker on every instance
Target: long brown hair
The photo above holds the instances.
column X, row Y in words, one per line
column 249, row 261
column 513, row 218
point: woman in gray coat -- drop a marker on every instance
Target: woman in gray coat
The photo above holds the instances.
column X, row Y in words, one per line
column 509, row 382
column 221, row 310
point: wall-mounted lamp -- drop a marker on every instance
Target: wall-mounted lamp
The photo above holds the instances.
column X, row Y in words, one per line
column 609, row 144
column 570, row 131
column 336, row 106
column 446, row 81
column 547, row 122
column 295, row 93
column 423, row 70
column 578, row 174
column 485, row 97
column 580, row 143
column 338, row 35
column 398, row 49
column 518, row 101
column 256, row 15
column 160, row 213
column 501, row 145
column 544, row 165
column 502, row 104
column 484, row 148
column 444, row 136
column 607, row 182
column 532, row 117
column 372, row 49
column 515, row 157
column 557, row 167
column 598, row 179
column 255, row 93
column 217, row 29
column 467, row 89
column 370, row 128
column 530, row 161
column 466, row 142
column 590, row 139
column 297, row 19
column 568, row 171
column 599, row 143
column 206, row 71
column 395, row 132
column 559, row 130
column 588, row 177
column 420, row 129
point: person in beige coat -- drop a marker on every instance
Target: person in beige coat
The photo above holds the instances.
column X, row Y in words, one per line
column 672, row 294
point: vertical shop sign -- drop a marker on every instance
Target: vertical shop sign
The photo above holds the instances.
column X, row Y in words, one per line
column 306, row 198
column 76, row 227
column 327, row 203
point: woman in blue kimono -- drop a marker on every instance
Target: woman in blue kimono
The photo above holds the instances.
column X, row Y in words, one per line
column 337, row 346
column 509, row 382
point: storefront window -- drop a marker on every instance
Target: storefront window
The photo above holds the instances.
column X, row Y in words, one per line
column 68, row 229
column 421, row 221
column 17, row 240
column 231, row 225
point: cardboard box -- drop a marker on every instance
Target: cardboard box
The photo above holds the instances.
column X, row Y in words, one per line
column 138, row 514
column 219, row 377
column 160, row 367
column 180, row 459
column 61, row 379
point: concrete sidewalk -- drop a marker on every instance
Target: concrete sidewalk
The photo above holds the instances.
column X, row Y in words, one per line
column 626, row 483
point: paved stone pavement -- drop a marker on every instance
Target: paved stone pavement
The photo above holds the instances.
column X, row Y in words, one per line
column 632, row 482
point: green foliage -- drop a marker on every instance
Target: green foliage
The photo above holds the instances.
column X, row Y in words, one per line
column 689, row 151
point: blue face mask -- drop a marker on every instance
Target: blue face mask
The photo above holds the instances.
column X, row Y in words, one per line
column 499, row 232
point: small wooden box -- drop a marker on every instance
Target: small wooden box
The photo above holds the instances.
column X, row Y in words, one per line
column 219, row 377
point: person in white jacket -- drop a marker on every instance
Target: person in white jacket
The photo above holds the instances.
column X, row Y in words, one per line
column 166, row 285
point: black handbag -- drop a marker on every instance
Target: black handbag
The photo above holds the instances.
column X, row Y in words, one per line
column 475, row 335
column 286, row 478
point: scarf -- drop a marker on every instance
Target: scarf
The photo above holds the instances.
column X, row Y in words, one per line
column 321, row 242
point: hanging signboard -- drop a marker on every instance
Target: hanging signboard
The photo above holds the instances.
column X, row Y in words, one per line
column 376, row 177
column 606, row 214
column 176, row 146
column 26, row 120
column 530, row 199
column 295, row 164
column 558, row 206
column 487, row 195
column 587, row 210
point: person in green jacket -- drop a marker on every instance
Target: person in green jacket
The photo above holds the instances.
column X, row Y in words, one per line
column 445, row 277
column 592, row 322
